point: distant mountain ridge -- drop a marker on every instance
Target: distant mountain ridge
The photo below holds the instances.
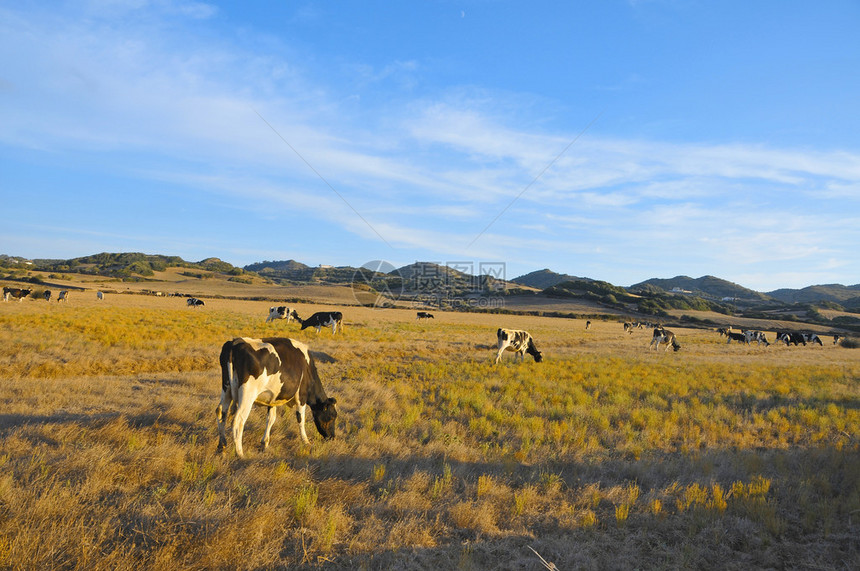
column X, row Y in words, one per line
column 130, row 264
column 835, row 293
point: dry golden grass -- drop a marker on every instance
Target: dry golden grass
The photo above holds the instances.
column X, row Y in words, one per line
column 606, row 455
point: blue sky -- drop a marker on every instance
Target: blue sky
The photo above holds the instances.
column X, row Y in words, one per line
column 618, row 140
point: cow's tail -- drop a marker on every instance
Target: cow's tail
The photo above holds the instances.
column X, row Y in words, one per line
column 226, row 360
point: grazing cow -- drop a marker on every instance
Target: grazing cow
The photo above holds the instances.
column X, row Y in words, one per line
column 425, row 315
column 64, row 296
column 796, row 338
column 15, row 293
column 194, row 302
column 758, row 336
column 320, row 319
column 629, row 327
column 518, row 341
column 788, row 337
column 281, row 312
column 271, row 372
column 724, row 331
column 663, row 336
column 812, row 338
column 739, row 337
column 47, row 295
column 100, row 295
column 838, row 338
column 587, row 325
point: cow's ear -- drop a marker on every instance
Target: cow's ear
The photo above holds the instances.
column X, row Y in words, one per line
column 332, row 400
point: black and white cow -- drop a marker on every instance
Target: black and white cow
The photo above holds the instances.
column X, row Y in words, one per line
column 758, row 336
column 271, row 372
column 784, row 336
column 629, row 327
column 194, row 302
column 100, row 295
column 64, row 296
column 663, row 336
column 520, row 342
column 812, row 338
column 424, row 315
column 734, row 336
column 15, row 293
column 47, row 295
column 588, row 325
column 320, row 319
column 797, row 338
column 281, row 312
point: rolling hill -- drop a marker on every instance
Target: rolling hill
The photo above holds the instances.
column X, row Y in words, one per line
column 542, row 279
column 705, row 286
column 836, row 293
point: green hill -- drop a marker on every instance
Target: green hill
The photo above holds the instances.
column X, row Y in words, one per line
column 705, row 286
column 542, row 279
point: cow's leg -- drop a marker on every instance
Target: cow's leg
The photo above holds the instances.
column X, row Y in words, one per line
column 270, row 421
column 243, row 410
column 221, row 413
column 499, row 355
column 668, row 344
column 301, row 410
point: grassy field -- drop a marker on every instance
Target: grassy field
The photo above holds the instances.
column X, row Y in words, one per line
column 604, row 456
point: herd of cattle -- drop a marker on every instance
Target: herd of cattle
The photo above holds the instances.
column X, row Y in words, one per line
column 277, row 371
column 19, row 294
column 748, row 336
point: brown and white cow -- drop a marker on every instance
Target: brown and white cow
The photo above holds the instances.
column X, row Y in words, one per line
column 64, row 295
column 663, row 336
column 15, row 293
column 272, row 371
column 519, row 341
column 281, row 312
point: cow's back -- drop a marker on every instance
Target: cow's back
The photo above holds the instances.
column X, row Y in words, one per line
column 297, row 367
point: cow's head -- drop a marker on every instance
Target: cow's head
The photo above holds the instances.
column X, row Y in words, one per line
column 675, row 345
column 533, row 351
column 325, row 414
